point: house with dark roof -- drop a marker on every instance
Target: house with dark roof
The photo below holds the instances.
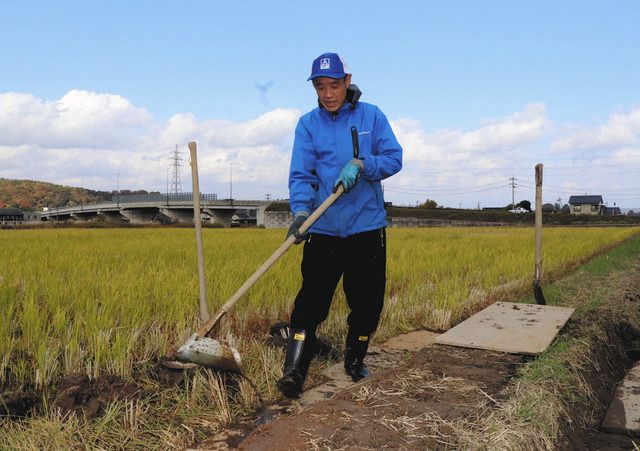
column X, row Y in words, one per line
column 11, row 216
column 243, row 218
column 586, row 205
column 15, row 216
column 613, row 211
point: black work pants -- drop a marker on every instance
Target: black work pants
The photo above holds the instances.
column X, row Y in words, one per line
column 361, row 260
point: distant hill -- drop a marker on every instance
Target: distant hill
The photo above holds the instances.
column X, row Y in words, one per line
column 34, row 195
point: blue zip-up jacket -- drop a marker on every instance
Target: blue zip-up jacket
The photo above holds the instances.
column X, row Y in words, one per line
column 322, row 147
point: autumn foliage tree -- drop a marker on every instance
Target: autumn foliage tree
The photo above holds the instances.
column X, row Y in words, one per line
column 33, row 195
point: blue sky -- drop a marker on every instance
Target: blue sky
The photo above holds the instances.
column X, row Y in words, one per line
column 566, row 73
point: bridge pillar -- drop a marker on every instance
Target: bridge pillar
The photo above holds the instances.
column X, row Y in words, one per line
column 60, row 217
column 260, row 214
column 110, row 216
column 222, row 217
column 139, row 215
column 182, row 216
column 83, row 216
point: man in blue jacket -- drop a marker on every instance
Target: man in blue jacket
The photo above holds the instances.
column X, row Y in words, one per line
column 349, row 240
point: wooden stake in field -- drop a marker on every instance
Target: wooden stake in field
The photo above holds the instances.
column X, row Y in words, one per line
column 204, row 312
column 537, row 289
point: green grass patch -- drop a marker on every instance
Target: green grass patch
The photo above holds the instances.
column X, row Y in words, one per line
column 548, row 366
column 617, row 258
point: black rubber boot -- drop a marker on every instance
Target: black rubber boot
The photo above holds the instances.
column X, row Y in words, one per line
column 354, row 365
column 296, row 364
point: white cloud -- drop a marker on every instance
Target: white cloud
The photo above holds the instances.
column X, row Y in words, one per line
column 489, row 146
column 520, row 128
column 627, row 155
column 271, row 127
column 497, row 135
column 88, row 138
column 441, row 164
column 79, row 119
column 620, row 130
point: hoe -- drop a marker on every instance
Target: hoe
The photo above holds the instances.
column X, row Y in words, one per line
column 202, row 350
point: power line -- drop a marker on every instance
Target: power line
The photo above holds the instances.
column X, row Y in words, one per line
column 562, row 188
column 501, row 183
column 423, row 192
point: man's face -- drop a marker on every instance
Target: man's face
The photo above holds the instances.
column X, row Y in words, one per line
column 332, row 92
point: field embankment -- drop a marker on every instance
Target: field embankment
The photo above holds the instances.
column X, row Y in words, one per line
column 501, row 216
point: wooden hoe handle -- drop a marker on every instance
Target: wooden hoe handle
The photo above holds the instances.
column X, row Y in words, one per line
column 211, row 322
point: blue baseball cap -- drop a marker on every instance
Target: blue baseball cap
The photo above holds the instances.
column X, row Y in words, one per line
column 327, row 65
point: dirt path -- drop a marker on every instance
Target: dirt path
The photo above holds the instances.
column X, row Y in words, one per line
column 422, row 404
column 424, row 398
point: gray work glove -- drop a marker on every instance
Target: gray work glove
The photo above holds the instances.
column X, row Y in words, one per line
column 294, row 228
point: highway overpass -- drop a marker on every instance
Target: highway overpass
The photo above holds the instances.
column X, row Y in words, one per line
column 144, row 209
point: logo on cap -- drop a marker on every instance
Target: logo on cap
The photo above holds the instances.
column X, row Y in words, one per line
column 325, row 63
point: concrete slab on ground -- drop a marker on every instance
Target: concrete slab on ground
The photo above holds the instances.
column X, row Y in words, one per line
column 509, row 327
column 623, row 415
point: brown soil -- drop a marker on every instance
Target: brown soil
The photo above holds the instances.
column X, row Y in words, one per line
column 412, row 407
column 19, row 404
column 77, row 394
column 611, row 358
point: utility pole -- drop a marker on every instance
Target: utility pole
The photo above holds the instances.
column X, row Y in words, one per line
column 231, row 181
column 81, row 194
column 268, row 196
column 118, row 189
column 513, row 192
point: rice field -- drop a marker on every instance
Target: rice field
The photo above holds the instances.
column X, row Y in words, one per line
column 110, row 301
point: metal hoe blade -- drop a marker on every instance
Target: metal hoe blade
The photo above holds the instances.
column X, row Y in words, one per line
column 537, row 293
column 211, row 353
